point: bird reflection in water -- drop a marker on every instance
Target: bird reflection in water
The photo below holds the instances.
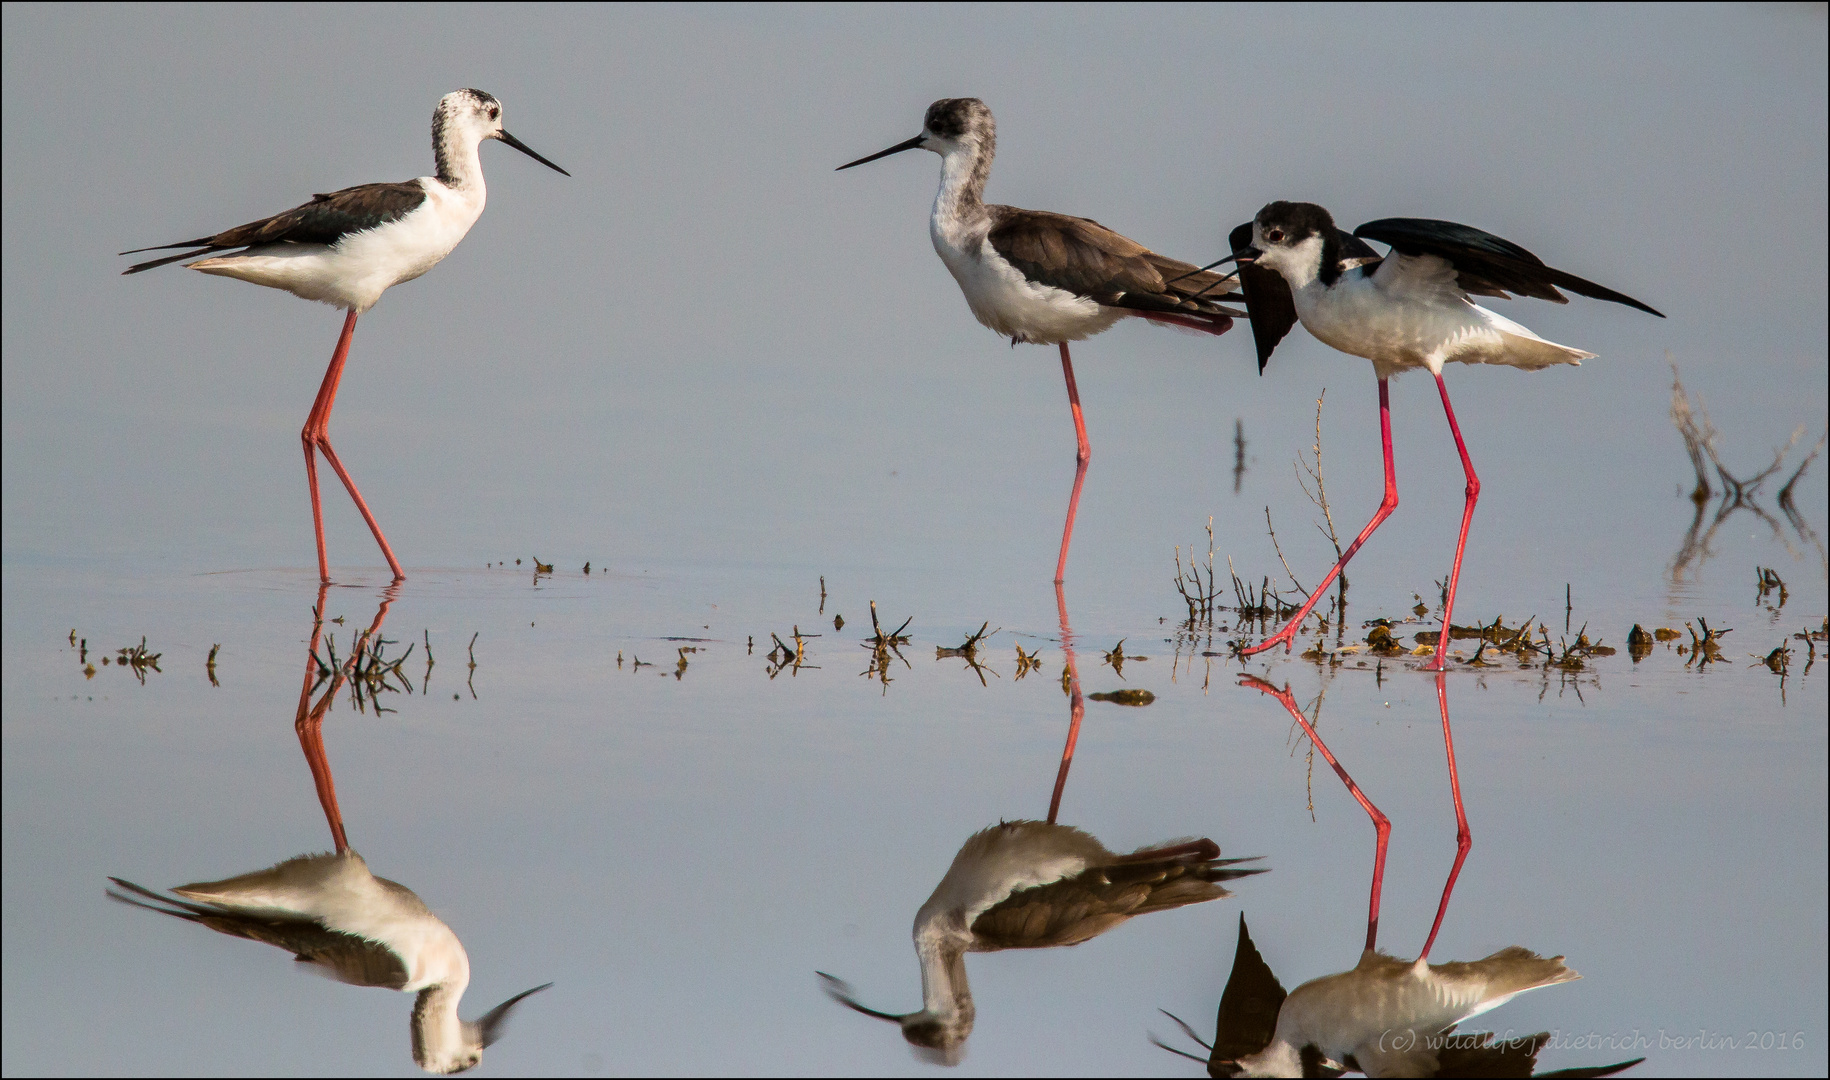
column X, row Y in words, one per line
column 330, row 911
column 1033, row 885
column 1385, row 1016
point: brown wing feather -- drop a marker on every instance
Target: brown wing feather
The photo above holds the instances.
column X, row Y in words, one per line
column 1076, row 254
column 346, row 957
column 1082, row 256
column 1072, row 910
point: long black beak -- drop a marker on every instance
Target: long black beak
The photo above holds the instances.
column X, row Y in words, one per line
column 909, row 144
column 838, row 989
column 525, row 149
column 1204, row 269
column 495, row 1020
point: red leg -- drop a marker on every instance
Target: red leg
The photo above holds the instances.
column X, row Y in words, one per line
column 310, row 728
column 1077, row 706
column 313, row 422
column 309, row 724
column 1463, row 838
column 1386, row 506
column 1382, row 825
column 1080, row 467
column 316, row 436
column 1473, row 492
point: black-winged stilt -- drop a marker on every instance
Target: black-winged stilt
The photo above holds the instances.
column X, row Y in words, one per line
column 1045, row 278
column 1382, row 826
column 347, row 247
column 1385, row 1017
column 1408, row 309
column 329, row 910
column 1035, row 885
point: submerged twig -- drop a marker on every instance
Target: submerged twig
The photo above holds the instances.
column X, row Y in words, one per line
column 883, row 646
column 1699, row 435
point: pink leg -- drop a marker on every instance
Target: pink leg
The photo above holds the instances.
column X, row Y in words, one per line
column 1382, row 825
column 309, row 725
column 1473, row 493
column 1080, row 467
column 316, row 436
column 310, row 728
column 326, row 389
column 1077, row 706
column 1463, row 838
column 1386, row 506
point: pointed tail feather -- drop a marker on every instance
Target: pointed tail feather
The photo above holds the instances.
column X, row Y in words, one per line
column 183, row 910
column 207, row 241
column 138, row 267
column 1595, row 1070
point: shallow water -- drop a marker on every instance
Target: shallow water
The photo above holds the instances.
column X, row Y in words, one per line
column 679, row 848
column 678, row 845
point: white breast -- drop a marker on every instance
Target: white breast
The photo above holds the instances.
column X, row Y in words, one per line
column 402, row 250
column 1009, row 303
column 357, row 269
column 1411, row 314
column 1341, row 1013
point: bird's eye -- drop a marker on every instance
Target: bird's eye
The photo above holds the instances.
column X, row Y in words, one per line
column 494, row 113
column 1275, row 236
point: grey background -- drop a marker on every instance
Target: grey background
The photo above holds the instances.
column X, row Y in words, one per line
column 632, row 359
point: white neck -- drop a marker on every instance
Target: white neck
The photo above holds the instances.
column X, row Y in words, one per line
column 440, row 1040
column 960, row 201
column 460, row 167
column 1277, row 1059
column 1300, row 265
column 945, row 997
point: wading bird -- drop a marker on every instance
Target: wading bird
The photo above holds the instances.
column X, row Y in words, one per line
column 330, row 911
column 1034, row 885
column 1045, row 278
column 1411, row 308
column 348, row 247
column 1386, row 1017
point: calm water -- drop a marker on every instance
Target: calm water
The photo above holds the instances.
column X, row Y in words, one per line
column 678, row 845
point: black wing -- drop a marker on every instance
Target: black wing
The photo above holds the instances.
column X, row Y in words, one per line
column 1475, row 1054
column 1594, row 1070
column 1267, row 294
column 1486, row 265
column 325, row 219
column 1267, row 302
column 1249, row 1006
column 346, row 957
column 1074, row 909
